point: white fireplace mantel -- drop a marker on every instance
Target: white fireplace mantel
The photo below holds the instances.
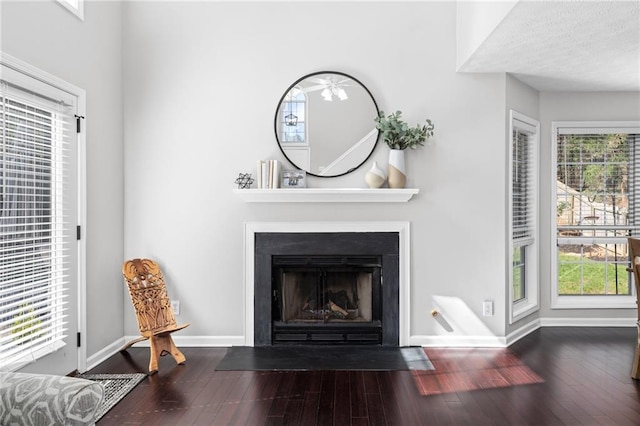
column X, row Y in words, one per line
column 327, row 195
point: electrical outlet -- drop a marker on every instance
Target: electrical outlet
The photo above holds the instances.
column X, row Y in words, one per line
column 487, row 308
column 175, row 306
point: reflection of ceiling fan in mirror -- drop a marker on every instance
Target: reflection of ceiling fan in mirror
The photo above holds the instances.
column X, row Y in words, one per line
column 330, row 86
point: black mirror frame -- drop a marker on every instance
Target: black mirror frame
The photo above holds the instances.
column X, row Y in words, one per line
column 276, row 120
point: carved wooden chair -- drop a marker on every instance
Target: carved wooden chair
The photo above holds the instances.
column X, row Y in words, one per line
column 151, row 303
column 634, row 251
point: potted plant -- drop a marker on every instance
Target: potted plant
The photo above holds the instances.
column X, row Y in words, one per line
column 398, row 136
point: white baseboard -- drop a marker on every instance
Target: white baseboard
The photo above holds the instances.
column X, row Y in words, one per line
column 476, row 341
column 197, row 341
column 514, row 336
column 426, row 341
column 180, row 341
column 105, row 353
column 523, row 331
column 588, row 322
column 209, row 341
column 458, row 341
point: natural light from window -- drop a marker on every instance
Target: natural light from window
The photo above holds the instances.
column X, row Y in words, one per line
column 597, row 207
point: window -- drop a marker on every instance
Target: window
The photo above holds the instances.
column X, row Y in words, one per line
column 523, row 200
column 597, row 206
column 37, row 217
column 292, row 119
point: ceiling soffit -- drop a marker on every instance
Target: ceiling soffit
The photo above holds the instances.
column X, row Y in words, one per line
column 566, row 46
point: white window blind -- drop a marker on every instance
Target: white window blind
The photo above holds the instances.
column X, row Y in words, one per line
column 523, row 185
column 597, row 208
column 35, row 133
column 523, row 244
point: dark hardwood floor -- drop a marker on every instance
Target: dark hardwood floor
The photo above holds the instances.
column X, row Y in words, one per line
column 555, row 376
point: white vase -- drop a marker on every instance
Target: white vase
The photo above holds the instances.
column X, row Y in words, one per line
column 397, row 172
column 375, row 177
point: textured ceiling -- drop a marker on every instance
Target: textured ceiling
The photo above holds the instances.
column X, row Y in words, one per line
column 566, row 46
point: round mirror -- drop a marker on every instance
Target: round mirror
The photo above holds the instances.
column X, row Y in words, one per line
column 325, row 124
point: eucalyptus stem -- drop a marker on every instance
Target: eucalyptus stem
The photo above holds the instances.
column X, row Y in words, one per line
column 397, row 134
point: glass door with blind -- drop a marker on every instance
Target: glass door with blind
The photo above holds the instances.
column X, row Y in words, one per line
column 597, row 209
column 38, row 218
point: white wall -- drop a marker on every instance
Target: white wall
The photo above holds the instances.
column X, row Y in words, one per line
column 476, row 20
column 522, row 98
column 88, row 55
column 202, row 81
column 566, row 106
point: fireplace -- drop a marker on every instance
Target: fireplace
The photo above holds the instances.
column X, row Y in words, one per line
column 326, row 288
column 326, row 299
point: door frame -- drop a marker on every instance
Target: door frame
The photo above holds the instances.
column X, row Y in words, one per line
column 31, row 71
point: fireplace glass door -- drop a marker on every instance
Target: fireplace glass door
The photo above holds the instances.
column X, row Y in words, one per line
column 326, row 300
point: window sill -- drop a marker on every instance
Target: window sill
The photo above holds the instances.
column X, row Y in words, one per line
column 326, row 195
column 523, row 309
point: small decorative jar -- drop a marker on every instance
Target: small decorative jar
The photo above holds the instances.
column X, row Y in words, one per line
column 375, row 177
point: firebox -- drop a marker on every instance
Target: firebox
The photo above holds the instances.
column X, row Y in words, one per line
column 326, row 299
column 326, row 288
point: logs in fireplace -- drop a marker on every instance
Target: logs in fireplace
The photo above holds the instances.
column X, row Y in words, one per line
column 326, row 299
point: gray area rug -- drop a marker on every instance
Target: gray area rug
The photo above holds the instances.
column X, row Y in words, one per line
column 116, row 387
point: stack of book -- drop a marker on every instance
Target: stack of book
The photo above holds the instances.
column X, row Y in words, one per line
column 268, row 174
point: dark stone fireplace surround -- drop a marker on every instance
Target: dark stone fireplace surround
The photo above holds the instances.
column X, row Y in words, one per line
column 383, row 244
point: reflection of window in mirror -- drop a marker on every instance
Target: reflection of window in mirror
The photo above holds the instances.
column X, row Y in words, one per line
column 293, row 117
